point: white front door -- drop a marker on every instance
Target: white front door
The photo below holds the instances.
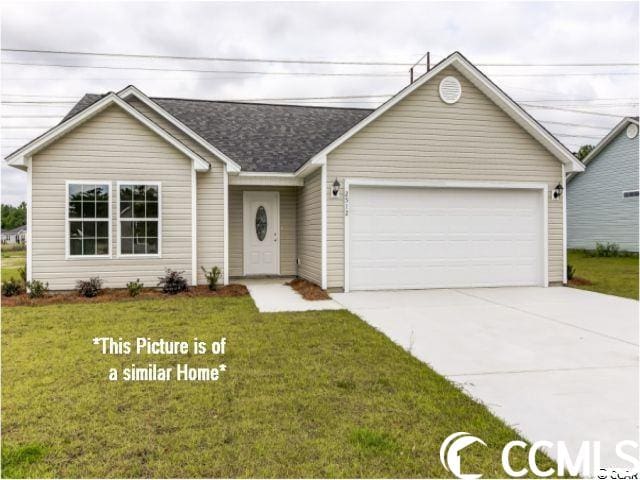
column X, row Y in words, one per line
column 261, row 214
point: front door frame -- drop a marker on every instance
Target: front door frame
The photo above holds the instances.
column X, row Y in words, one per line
column 248, row 227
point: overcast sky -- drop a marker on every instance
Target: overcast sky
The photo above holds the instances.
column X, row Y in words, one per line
column 574, row 33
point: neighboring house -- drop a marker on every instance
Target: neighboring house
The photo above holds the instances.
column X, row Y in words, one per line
column 448, row 184
column 602, row 202
column 15, row 235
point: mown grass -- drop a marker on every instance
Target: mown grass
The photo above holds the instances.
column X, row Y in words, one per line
column 12, row 260
column 610, row 275
column 314, row 394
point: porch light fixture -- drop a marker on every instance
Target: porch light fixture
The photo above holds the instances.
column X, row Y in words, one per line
column 336, row 188
column 557, row 192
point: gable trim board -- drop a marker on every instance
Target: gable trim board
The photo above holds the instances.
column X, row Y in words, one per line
column 18, row 157
column 133, row 91
column 604, row 142
column 448, row 184
column 475, row 76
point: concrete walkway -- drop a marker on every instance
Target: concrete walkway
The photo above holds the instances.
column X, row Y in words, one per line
column 272, row 295
column 555, row 363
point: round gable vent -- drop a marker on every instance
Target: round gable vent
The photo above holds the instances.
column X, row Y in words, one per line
column 632, row 130
column 450, row 90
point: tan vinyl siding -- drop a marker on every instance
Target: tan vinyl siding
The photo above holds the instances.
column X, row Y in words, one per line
column 288, row 250
column 422, row 138
column 110, row 147
column 310, row 229
column 210, row 198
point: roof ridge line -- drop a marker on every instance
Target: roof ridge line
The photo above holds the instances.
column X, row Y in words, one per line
column 258, row 103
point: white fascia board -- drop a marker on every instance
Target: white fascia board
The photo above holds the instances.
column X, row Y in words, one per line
column 18, row 158
column 132, row 90
column 485, row 85
column 277, row 179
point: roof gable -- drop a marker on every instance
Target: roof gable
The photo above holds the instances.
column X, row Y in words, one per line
column 610, row 137
column 19, row 157
column 480, row 81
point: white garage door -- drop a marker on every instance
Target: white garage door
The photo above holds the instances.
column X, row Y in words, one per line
column 444, row 237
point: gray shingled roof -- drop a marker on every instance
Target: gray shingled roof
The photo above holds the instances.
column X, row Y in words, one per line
column 259, row 137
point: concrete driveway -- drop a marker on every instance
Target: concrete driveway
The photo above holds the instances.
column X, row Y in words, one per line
column 555, row 363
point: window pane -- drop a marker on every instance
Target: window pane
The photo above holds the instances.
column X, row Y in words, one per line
column 125, row 192
column 88, row 192
column 152, row 229
column 102, row 210
column 102, row 192
column 75, row 192
column 139, row 246
column 89, row 229
column 89, row 246
column 75, row 247
column 126, row 245
column 125, row 210
column 152, row 210
column 102, row 229
column 75, row 209
column 126, row 229
column 75, row 229
column 138, row 209
column 152, row 245
column 152, row 193
column 88, row 209
column 138, row 192
column 139, row 229
column 102, row 246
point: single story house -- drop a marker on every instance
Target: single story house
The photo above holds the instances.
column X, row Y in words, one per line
column 448, row 184
column 602, row 202
column 14, row 236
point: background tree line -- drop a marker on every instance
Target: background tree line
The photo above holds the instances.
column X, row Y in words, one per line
column 13, row 217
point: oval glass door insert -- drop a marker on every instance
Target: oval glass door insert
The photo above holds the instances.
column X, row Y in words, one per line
column 261, row 223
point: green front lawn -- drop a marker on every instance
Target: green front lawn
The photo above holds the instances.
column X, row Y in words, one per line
column 611, row 275
column 315, row 394
column 12, row 260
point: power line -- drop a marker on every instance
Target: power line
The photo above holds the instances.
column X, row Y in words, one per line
column 311, row 74
column 549, row 122
column 301, row 61
column 576, row 136
column 528, row 105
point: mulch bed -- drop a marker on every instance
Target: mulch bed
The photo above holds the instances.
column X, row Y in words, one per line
column 308, row 290
column 122, row 294
column 577, row 281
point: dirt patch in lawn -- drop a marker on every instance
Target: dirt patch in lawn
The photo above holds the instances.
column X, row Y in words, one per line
column 308, row 290
column 578, row 282
column 122, row 294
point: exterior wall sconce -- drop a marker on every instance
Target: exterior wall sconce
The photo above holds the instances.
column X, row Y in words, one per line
column 336, row 188
column 557, row 192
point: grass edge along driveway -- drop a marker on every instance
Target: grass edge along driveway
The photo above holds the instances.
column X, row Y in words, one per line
column 313, row 394
column 610, row 275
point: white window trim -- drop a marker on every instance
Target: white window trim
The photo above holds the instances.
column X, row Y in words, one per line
column 629, row 191
column 67, row 253
column 543, row 188
column 138, row 255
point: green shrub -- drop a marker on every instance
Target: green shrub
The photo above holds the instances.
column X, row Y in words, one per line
column 12, row 287
column 37, row 289
column 22, row 272
column 570, row 271
column 173, row 282
column 212, row 277
column 135, row 287
column 607, row 250
column 89, row 288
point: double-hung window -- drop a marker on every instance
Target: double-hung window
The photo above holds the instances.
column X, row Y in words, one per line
column 139, row 218
column 88, row 219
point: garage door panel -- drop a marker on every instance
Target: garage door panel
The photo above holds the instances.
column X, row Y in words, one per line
column 439, row 238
